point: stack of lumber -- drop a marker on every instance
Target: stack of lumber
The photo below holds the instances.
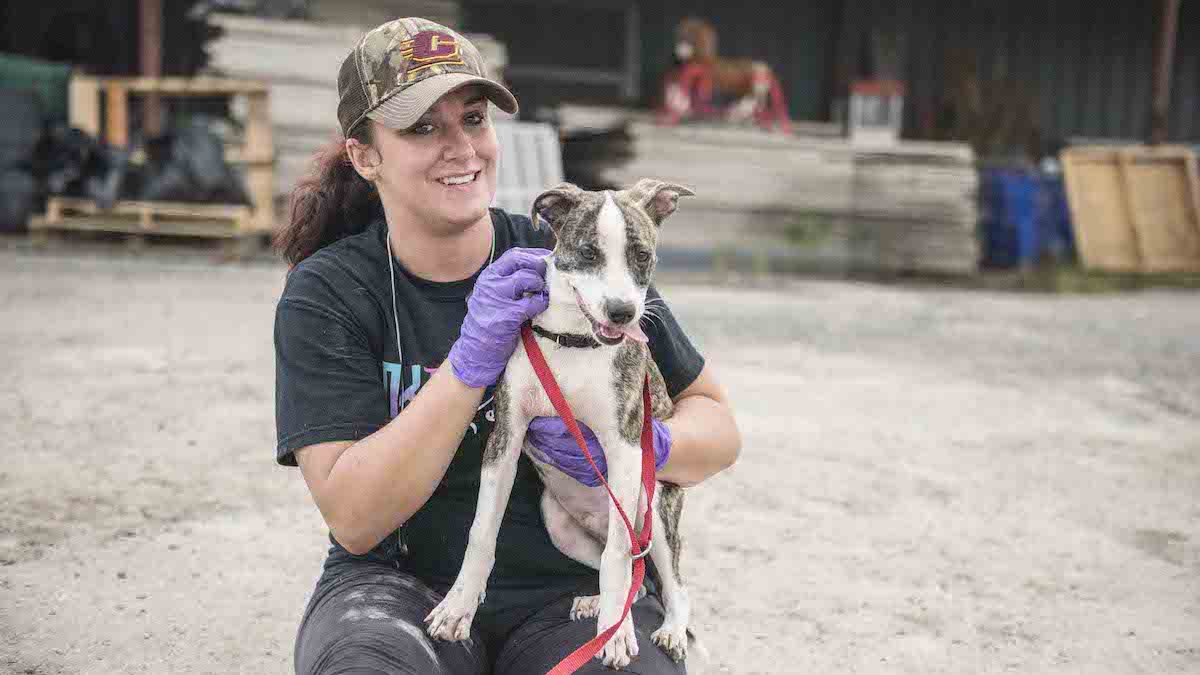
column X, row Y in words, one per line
column 754, row 190
column 915, row 205
column 909, row 207
column 743, row 168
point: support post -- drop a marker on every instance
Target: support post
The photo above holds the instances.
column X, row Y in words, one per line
column 150, row 59
column 1163, row 59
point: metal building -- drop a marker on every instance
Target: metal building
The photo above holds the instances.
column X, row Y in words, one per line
column 1087, row 66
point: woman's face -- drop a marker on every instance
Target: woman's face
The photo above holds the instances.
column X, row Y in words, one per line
column 441, row 172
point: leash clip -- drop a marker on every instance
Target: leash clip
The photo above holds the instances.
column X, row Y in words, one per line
column 645, row 551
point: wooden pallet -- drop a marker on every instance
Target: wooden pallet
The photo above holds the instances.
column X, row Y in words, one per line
column 138, row 220
column 136, row 217
column 100, row 106
column 1135, row 209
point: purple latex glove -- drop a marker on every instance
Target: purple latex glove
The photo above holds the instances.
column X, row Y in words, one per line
column 508, row 293
column 557, row 447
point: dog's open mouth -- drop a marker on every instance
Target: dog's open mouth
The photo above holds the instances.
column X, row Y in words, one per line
column 606, row 333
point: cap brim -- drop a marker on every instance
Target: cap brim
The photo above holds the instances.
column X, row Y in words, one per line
column 406, row 107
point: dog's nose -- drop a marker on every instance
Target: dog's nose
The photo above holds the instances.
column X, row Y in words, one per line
column 619, row 311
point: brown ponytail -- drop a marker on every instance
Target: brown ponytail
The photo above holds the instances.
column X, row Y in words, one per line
column 331, row 203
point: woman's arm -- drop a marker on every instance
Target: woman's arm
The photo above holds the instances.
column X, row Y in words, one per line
column 704, row 436
column 367, row 489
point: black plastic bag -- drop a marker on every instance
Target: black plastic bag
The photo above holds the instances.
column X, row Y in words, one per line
column 193, row 168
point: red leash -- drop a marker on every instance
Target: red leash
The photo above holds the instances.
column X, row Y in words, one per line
column 638, row 546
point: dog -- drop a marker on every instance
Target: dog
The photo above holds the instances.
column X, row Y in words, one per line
column 590, row 334
column 702, row 74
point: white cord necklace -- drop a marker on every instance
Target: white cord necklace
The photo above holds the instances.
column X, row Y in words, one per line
column 395, row 311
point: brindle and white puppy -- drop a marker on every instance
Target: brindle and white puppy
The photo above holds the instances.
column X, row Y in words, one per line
column 597, row 279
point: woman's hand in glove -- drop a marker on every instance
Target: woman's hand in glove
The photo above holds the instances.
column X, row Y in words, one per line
column 508, row 293
column 555, row 446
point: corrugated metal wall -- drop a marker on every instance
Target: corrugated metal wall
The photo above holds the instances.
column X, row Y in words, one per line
column 1089, row 64
column 585, row 37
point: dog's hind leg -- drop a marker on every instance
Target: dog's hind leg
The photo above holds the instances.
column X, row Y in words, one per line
column 568, row 535
column 578, row 543
column 451, row 619
column 665, row 551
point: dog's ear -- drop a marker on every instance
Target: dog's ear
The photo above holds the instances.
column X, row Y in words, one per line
column 657, row 197
column 555, row 203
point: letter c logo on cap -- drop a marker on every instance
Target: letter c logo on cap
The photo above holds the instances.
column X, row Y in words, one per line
column 429, row 45
column 430, row 48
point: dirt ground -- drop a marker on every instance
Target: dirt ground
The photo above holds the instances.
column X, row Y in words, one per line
column 933, row 480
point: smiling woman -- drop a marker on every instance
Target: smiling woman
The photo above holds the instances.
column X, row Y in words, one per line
column 398, row 268
column 440, row 170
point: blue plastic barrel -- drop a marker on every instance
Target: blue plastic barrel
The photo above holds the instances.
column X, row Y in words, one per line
column 1024, row 217
column 1057, row 234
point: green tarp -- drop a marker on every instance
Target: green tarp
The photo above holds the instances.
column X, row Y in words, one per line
column 48, row 80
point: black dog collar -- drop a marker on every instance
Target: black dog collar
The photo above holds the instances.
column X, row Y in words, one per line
column 568, row 339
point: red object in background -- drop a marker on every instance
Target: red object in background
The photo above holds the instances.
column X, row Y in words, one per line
column 689, row 89
column 688, row 92
column 876, row 111
column 877, row 87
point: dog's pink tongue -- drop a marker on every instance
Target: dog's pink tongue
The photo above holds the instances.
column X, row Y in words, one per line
column 634, row 332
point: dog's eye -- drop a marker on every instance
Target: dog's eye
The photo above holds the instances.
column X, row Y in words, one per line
column 589, row 253
column 643, row 257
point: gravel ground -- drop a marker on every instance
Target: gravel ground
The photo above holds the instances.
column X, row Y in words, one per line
column 933, row 480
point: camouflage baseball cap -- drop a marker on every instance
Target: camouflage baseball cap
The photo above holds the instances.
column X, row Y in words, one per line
column 400, row 69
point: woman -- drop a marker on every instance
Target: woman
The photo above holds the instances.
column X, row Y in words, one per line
column 387, row 243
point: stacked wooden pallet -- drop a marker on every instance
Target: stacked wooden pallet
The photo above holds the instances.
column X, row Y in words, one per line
column 915, row 204
column 734, row 168
column 909, row 207
column 754, row 190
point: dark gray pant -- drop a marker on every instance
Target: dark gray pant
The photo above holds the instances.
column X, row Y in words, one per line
column 368, row 617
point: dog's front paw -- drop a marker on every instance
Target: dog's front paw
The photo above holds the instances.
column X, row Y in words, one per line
column 451, row 619
column 621, row 647
column 672, row 640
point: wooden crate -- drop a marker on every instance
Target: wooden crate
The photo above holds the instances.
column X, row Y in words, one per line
column 255, row 154
column 1135, row 209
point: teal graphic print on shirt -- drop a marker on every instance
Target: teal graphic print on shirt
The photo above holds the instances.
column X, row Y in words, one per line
column 402, row 385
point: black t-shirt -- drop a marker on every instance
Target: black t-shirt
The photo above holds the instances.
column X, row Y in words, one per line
column 338, row 378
